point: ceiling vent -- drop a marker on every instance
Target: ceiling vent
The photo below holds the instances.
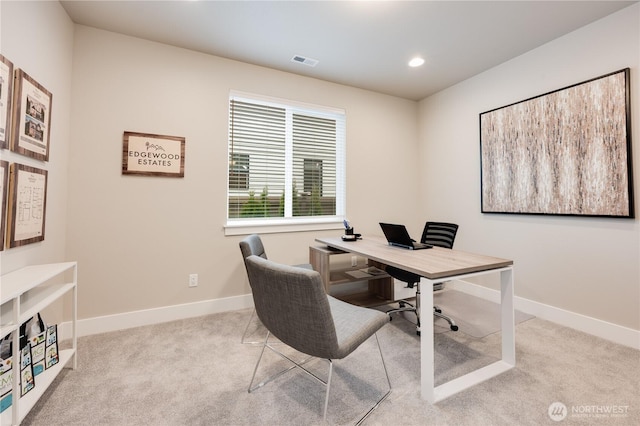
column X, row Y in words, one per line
column 303, row 60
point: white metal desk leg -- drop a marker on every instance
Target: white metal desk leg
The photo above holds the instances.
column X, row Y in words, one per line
column 507, row 317
column 427, row 361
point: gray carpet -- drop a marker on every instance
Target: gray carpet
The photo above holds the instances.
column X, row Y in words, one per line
column 196, row 372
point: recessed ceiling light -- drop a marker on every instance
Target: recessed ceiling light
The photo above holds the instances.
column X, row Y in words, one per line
column 416, row 62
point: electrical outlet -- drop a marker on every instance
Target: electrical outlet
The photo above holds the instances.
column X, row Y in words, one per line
column 193, row 280
column 354, row 260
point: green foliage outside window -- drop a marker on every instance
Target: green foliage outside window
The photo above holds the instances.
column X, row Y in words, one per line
column 265, row 206
column 256, row 207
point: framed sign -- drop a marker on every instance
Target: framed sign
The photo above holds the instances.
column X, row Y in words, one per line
column 6, row 90
column 4, row 182
column 567, row 152
column 31, row 122
column 152, row 155
column 27, row 205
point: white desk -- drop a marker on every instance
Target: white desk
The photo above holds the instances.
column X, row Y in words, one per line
column 437, row 265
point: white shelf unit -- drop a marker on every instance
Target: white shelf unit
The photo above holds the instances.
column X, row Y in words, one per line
column 24, row 293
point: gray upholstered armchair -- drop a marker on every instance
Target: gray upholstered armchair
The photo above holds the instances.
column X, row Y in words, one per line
column 252, row 245
column 292, row 304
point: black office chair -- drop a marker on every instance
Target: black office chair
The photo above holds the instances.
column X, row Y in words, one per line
column 439, row 234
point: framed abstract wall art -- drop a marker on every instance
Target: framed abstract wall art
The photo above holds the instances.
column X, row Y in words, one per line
column 31, row 124
column 567, row 152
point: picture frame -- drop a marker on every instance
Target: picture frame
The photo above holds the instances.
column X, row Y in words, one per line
column 6, row 97
column 152, row 155
column 566, row 152
column 27, row 381
column 52, row 355
column 27, row 205
column 31, row 123
column 37, row 352
column 4, row 183
column 6, row 383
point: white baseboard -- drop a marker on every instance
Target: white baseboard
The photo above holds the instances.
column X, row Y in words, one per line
column 606, row 330
column 612, row 332
column 126, row 320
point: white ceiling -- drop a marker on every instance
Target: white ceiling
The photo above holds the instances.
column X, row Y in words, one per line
column 364, row 44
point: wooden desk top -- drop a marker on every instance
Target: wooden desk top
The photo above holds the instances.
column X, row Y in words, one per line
column 433, row 263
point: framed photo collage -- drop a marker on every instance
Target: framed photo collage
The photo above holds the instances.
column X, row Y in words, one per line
column 25, row 128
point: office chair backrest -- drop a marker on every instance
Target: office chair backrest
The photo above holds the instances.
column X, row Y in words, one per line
column 439, row 234
column 292, row 304
column 252, row 245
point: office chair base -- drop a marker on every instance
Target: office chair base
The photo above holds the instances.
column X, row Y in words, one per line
column 404, row 308
column 438, row 313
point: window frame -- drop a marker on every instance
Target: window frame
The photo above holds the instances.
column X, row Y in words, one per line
column 243, row 226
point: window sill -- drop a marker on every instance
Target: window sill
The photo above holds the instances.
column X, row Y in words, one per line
column 281, row 226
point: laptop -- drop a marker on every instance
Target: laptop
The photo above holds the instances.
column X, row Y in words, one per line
column 397, row 235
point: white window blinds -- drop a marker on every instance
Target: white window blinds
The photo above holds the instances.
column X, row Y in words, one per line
column 286, row 161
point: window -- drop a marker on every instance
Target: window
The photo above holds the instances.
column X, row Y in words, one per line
column 286, row 162
column 239, row 171
column 312, row 176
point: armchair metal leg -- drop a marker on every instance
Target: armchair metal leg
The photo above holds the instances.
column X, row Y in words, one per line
column 326, row 396
column 276, row 375
column 327, row 383
column 246, row 329
column 377, row 404
column 381, row 400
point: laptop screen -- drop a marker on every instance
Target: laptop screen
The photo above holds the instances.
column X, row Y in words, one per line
column 396, row 234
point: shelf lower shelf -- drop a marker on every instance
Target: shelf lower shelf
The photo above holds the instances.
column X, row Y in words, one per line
column 43, row 381
column 342, row 276
column 364, row 299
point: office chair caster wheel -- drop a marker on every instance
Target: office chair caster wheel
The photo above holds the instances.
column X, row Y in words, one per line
column 401, row 304
column 454, row 328
column 438, row 310
column 418, row 332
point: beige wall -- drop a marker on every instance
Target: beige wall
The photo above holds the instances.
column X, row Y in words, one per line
column 589, row 266
column 38, row 37
column 138, row 238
